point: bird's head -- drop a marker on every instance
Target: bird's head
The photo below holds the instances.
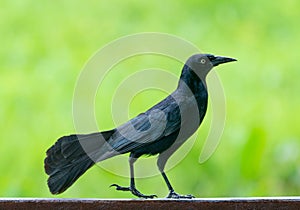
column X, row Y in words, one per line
column 203, row 63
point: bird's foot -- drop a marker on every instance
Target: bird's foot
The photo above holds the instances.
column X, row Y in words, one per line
column 174, row 195
column 133, row 190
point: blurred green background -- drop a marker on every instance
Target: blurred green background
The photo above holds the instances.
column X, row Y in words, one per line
column 44, row 46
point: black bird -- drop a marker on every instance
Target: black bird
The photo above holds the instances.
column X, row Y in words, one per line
column 160, row 130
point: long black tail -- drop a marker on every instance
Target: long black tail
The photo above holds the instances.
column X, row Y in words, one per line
column 70, row 157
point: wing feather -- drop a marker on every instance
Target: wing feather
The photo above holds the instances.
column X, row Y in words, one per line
column 159, row 121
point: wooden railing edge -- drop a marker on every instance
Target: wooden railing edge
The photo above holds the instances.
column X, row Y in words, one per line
column 196, row 203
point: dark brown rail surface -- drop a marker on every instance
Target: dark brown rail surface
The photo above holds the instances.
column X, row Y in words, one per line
column 197, row 203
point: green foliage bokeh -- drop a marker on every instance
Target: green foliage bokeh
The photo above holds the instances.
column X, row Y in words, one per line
column 44, row 46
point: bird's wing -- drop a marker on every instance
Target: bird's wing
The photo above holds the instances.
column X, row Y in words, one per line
column 161, row 120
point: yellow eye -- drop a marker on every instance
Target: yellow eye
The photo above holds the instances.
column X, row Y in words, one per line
column 202, row 61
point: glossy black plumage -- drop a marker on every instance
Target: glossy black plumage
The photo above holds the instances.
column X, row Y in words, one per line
column 160, row 130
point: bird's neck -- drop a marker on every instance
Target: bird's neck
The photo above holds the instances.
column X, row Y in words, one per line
column 192, row 88
column 196, row 83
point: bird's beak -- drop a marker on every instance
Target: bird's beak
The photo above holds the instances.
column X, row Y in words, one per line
column 219, row 60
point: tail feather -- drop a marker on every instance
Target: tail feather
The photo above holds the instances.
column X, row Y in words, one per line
column 70, row 157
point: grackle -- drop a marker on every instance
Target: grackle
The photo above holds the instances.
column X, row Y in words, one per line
column 160, row 130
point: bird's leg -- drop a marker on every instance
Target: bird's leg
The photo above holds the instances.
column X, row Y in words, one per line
column 172, row 193
column 132, row 187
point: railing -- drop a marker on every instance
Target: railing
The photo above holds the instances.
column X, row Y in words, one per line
column 210, row 203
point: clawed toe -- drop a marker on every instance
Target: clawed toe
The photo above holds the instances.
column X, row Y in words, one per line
column 133, row 190
column 174, row 195
column 140, row 195
column 118, row 187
